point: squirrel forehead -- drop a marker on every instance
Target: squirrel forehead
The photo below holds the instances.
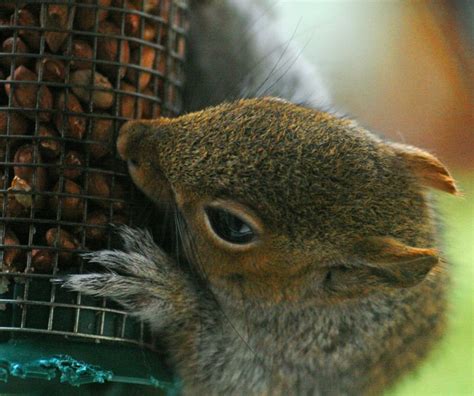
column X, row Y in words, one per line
column 259, row 135
column 291, row 164
column 250, row 129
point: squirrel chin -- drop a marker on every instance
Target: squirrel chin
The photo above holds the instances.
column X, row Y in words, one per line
column 156, row 187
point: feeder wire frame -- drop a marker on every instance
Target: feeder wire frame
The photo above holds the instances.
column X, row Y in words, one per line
column 88, row 319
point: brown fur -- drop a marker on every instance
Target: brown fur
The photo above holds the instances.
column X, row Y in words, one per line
column 304, row 192
column 342, row 292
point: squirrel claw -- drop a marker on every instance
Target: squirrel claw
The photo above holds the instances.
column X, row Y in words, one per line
column 136, row 240
column 143, row 280
column 141, row 257
column 133, row 264
column 127, row 291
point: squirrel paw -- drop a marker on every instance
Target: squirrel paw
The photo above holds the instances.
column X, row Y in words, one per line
column 141, row 256
column 142, row 278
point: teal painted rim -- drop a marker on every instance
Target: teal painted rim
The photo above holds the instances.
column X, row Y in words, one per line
column 39, row 359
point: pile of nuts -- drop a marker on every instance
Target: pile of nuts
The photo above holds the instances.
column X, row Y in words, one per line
column 70, row 75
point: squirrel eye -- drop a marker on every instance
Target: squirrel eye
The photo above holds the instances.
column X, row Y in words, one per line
column 229, row 227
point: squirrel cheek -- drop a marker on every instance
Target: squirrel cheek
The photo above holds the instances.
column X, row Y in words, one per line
column 137, row 174
column 123, row 139
column 154, row 185
column 122, row 146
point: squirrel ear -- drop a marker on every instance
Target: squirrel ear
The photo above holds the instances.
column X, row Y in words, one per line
column 388, row 264
column 427, row 167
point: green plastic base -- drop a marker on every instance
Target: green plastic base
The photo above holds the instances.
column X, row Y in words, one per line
column 41, row 366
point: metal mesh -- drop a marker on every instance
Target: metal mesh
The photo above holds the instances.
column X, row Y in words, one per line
column 71, row 72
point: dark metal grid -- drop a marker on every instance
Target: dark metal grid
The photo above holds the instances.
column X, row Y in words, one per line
column 30, row 291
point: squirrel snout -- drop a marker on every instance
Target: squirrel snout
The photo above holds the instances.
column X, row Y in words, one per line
column 130, row 135
column 122, row 140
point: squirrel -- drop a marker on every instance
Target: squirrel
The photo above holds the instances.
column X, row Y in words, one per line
column 313, row 244
column 310, row 255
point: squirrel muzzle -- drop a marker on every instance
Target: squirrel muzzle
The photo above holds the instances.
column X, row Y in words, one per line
column 290, row 203
column 122, row 138
column 136, row 144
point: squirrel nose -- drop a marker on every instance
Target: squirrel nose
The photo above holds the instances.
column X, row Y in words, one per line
column 132, row 133
column 124, row 138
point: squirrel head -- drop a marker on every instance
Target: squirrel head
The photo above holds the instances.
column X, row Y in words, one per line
column 282, row 202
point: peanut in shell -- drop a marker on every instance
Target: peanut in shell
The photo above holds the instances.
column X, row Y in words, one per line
column 42, row 260
column 82, row 55
column 65, row 241
column 27, row 167
column 97, row 222
column 86, row 16
column 52, row 69
column 100, row 187
column 102, row 132
column 130, row 20
column 145, row 59
column 71, row 165
column 71, row 203
column 130, row 103
column 16, row 46
column 93, row 87
column 109, row 49
column 150, row 108
column 24, row 194
column 18, row 126
column 26, row 95
column 49, row 143
column 27, row 18
column 56, row 17
column 69, row 125
column 10, row 254
column 149, row 32
column 13, row 207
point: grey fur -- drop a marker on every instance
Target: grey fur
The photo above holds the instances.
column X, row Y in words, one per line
column 142, row 278
column 257, row 348
column 236, row 51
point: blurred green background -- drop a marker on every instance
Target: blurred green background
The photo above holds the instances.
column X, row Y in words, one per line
column 402, row 68
column 449, row 369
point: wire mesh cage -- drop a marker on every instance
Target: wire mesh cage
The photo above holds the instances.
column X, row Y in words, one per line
column 71, row 72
